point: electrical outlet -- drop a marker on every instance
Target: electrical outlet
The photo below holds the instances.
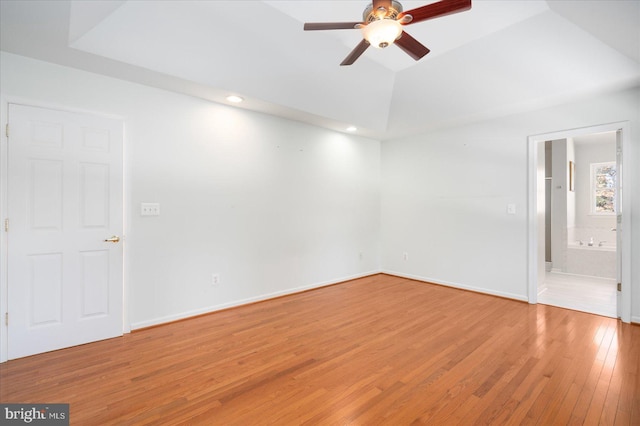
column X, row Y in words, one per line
column 150, row 209
column 215, row 280
column 405, row 255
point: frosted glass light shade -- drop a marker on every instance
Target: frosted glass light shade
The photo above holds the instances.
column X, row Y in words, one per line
column 382, row 33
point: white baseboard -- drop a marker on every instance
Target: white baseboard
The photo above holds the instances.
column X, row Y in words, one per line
column 460, row 286
column 235, row 303
column 635, row 320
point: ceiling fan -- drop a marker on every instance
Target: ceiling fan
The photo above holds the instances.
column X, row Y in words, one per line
column 382, row 23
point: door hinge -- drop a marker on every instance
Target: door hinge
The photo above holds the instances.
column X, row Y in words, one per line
column 6, row 318
column 619, row 286
column 6, row 130
column 6, row 225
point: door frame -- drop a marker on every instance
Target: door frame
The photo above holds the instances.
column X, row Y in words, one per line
column 532, row 219
column 4, row 249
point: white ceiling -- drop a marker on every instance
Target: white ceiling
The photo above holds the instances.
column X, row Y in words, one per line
column 500, row 57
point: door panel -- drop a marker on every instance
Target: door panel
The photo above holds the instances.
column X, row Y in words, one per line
column 44, row 196
column 64, row 200
column 94, row 276
column 45, row 289
column 94, row 195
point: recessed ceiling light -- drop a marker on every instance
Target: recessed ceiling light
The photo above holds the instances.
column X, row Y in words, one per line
column 235, row 99
column 352, row 129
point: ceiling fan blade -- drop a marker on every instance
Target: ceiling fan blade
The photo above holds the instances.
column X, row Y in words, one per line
column 355, row 53
column 312, row 26
column 435, row 10
column 411, row 46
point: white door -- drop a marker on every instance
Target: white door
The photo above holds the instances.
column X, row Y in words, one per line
column 64, row 200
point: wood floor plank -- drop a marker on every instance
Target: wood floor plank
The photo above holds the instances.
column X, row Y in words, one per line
column 377, row 350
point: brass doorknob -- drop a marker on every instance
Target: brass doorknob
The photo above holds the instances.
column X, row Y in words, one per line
column 114, row 239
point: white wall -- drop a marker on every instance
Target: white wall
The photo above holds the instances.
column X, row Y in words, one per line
column 559, row 202
column 444, row 203
column 271, row 205
column 444, row 196
column 563, row 201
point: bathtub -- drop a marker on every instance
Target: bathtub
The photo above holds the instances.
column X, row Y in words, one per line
column 597, row 260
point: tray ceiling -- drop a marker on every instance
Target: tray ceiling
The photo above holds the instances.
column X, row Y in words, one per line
column 498, row 58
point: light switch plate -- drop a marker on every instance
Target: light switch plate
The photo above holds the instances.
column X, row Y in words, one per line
column 150, row 209
column 511, row 209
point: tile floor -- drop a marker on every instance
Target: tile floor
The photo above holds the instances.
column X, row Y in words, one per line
column 582, row 293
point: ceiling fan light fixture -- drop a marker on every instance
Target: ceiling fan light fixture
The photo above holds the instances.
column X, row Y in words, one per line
column 382, row 33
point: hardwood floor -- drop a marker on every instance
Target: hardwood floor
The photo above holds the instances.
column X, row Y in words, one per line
column 378, row 350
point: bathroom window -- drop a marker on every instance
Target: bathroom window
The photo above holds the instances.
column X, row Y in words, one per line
column 603, row 188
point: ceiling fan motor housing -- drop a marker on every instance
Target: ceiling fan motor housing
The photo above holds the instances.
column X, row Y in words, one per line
column 370, row 15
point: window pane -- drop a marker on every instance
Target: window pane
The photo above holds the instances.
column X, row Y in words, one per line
column 604, row 202
column 604, row 187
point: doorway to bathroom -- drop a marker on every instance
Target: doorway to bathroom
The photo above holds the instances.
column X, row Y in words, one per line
column 576, row 228
column 580, row 224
